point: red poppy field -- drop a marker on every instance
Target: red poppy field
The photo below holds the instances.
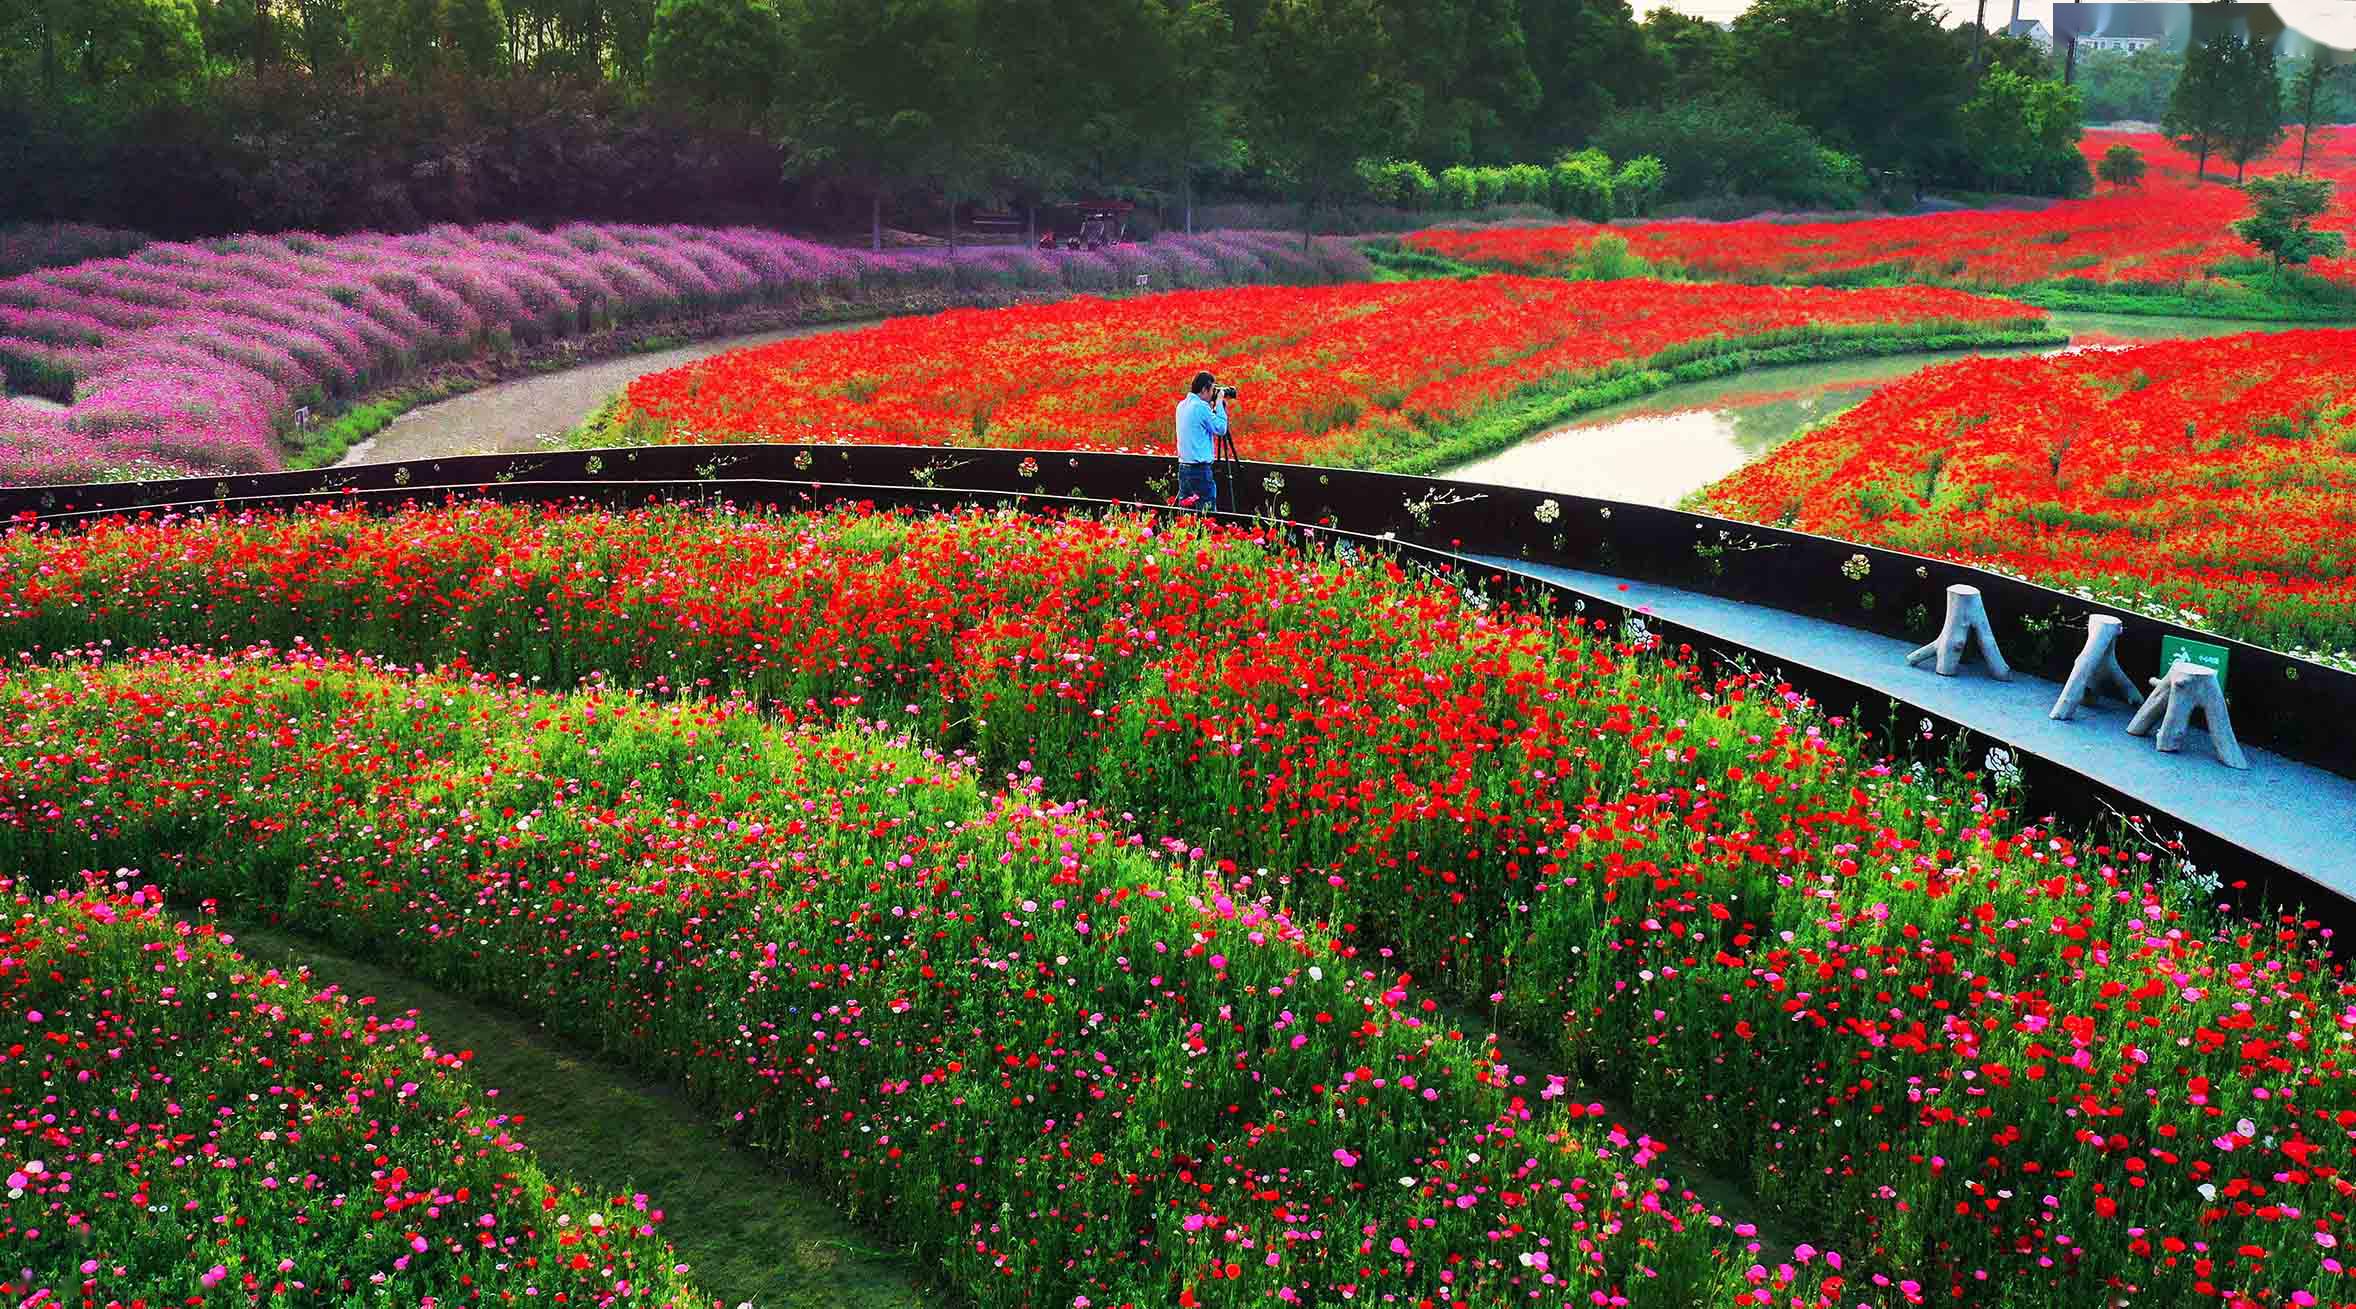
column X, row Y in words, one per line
column 2214, row 480
column 1399, row 376
column 2167, row 233
column 1115, row 912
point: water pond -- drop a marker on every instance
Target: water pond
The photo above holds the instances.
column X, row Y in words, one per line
column 1660, row 448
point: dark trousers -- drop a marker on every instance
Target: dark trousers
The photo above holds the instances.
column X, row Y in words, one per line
column 1198, row 486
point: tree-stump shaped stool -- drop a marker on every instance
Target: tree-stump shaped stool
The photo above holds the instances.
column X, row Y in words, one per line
column 2096, row 671
column 2185, row 688
column 1967, row 620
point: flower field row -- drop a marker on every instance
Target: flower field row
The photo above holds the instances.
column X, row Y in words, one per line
column 184, row 1127
column 184, row 356
column 1971, row 1053
column 1066, row 1069
column 2168, row 233
column 1406, row 376
column 2217, row 476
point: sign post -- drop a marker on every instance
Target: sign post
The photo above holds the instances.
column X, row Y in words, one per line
column 2176, row 650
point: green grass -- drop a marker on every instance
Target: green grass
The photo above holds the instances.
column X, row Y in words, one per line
column 747, row 1230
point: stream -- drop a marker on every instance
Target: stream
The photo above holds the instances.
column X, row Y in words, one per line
column 1660, row 448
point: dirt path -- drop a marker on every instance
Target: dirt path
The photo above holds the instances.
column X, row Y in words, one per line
column 531, row 412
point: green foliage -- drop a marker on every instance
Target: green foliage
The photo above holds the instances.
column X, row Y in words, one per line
column 2254, row 126
column 1698, row 54
column 1879, row 78
column 1324, row 93
column 2021, row 134
column 1402, row 183
column 2128, row 85
column 1736, row 147
column 1459, row 188
column 1583, row 186
column 2121, row 166
column 1638, row 184
column 1525, row 184
column 717, row 54
column 414, row 37
column 889, row 96
column 2228, row 102
column 2284, row 210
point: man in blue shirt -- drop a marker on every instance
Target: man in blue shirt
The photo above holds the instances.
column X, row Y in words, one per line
column 1202, row 420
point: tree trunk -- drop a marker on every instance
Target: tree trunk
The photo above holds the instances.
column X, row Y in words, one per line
column 875, row 221
column 1031, row 226
column 49, row 51
column 261, row 35
column 1186, row 186
column 952, row 227
column 1979, row 35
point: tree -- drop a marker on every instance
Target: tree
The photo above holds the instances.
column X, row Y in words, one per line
column 721, row 56
column 2254, row 124
column 413, row 37
column 2307, row 93
column 2200, row 112
column 2281, row 223
column 2122, row 166
column 1466, row 66
column 2128, row 86
column 2021, row 134
column 890, row 94
column 1882, row 78
column 1589, row 57
column 1698, row 54
column 138, row 49
column 1324, row 95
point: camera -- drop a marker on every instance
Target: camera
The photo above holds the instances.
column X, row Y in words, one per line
column 1223, row 393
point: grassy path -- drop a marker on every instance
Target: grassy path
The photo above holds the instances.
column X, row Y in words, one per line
column 748, row 1231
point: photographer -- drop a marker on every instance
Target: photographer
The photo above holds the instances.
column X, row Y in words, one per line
column 1202, row 420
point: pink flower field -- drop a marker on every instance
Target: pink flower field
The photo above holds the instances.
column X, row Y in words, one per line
column 194, row 357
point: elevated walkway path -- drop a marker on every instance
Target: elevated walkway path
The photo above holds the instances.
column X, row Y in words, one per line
column 2289, row 813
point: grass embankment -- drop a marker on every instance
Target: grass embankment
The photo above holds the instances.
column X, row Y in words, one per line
column 748, row 1232
column 2240, row 290
column 1809, row 954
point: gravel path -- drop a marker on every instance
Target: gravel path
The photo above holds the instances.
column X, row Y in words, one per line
column 527, row 413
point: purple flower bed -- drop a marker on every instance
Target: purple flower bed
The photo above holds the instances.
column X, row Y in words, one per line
column 194, row 357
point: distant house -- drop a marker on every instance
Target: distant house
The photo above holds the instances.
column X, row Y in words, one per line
column 2032, row 30
column 2125, row 45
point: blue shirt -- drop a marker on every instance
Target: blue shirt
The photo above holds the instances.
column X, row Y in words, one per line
column 1199, row 427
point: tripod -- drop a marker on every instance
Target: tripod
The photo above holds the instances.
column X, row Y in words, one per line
column 1227, row 466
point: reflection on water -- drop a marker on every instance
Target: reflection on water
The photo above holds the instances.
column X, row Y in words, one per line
column 1660, row 448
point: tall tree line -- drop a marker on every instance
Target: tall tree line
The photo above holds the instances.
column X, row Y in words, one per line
column 870, row 103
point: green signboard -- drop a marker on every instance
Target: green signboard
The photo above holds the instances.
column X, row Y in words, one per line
column 2176, row 650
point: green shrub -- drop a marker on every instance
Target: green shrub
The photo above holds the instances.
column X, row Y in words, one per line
column 1459, row 188
column 1401, row 183
column 1733, row 147
column 1638, row 184
column 1583, row 185
column 1526, row 184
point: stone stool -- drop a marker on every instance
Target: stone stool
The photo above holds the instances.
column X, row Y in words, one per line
column 2177, row 694
column 1967, row 620
column 2096, row 671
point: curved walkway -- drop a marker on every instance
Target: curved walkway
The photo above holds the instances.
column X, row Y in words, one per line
column 531, row 413
column 2296, row 815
